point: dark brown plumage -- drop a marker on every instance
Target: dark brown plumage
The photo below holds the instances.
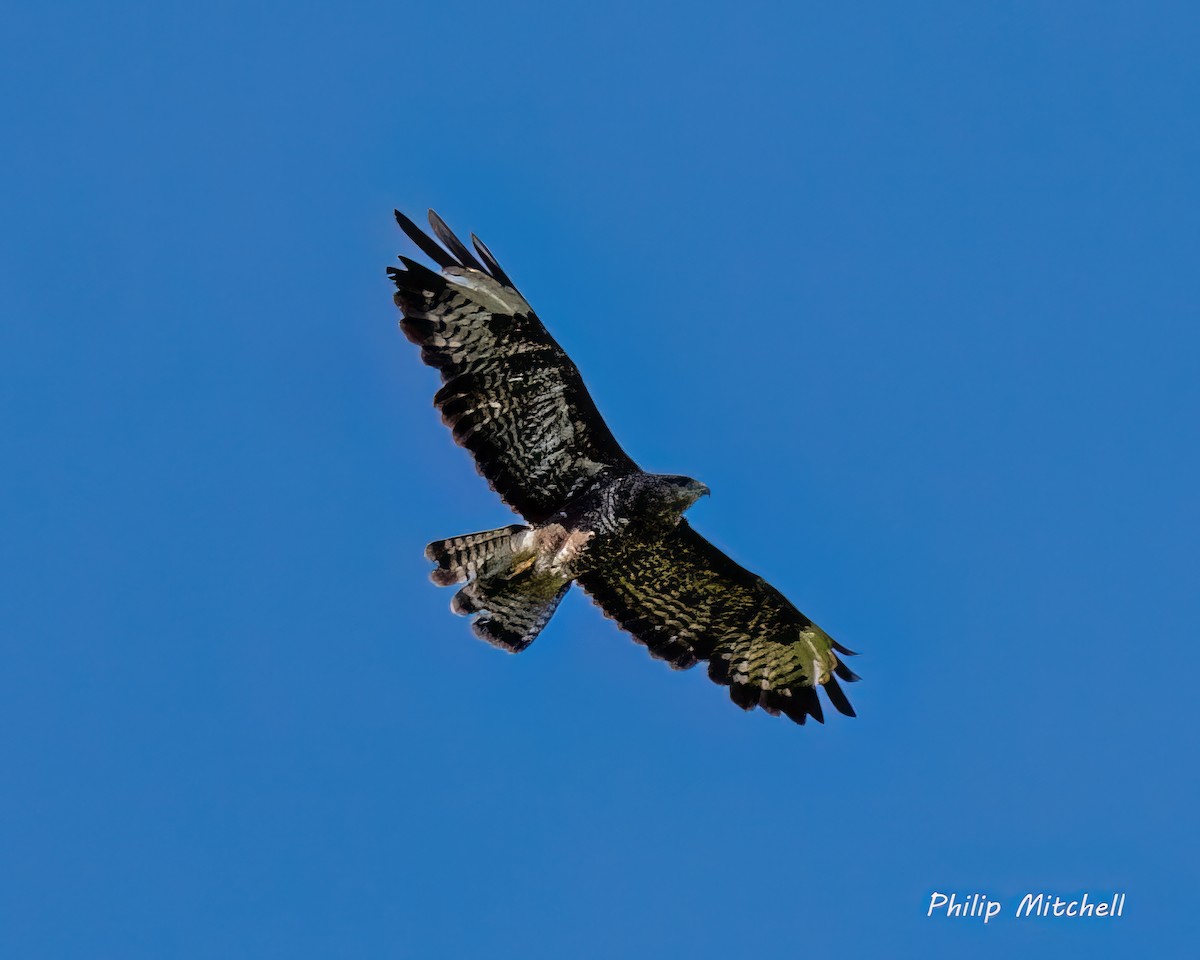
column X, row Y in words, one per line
column 513, row 398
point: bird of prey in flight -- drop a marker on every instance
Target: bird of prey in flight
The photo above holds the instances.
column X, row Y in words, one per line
column 515, row 400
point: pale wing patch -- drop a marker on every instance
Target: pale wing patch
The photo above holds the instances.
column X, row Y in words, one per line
column 820, row 655
column 487, row 292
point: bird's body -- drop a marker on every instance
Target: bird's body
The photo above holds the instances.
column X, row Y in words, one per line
column 515, row 400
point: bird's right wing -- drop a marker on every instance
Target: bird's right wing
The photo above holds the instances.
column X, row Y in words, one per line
column 510, row 393
column 687, row 601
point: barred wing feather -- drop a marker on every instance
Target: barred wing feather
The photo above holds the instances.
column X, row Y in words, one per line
column 687, row 601
column 511, row 395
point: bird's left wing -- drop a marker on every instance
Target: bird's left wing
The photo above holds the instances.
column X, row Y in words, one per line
column 510, row 393
column 687, row 601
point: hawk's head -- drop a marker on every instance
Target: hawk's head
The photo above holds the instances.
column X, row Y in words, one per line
column 668, row 496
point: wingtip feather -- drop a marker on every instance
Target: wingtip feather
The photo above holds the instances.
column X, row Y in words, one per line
column 838, row 698
column 453, row 244
column 424, row 241
column 496, row 270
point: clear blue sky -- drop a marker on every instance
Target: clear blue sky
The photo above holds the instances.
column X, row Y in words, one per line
column 913, row 287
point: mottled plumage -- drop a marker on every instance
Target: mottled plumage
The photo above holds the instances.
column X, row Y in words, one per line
column 515, row 400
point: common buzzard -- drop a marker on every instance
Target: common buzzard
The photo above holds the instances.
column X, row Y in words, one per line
column 515, row 400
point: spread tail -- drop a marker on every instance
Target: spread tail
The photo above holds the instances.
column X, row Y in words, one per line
column 512, row 596
column 461, row 558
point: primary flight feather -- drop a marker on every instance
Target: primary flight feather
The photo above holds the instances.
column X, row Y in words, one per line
column 515, row 400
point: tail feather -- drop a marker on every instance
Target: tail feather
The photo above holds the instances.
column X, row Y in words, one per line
column 514, row 615
column 513, row 598
column 461, row 558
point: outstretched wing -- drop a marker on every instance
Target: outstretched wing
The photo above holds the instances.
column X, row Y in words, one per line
column 687, row 601
column 511, row 395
